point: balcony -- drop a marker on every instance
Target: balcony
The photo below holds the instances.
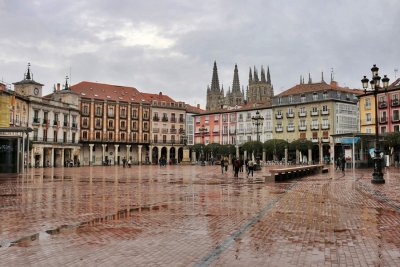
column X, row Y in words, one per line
column 290, row 115
column 85, row 126
column 110, row 127
column 98, row 126
column 156, row 118
column 395, row 103
column 279, row 129
column 110, row 114
column 36, row 120
column 240, row 131
column 123, row 116
column 164, row 119
column 164, row 131
column 279, row 116
column 74, row 125
column 173, row 119
column 53, row 140
column 290, row 128
column 302, row 127
column 302, row 114
column 65, row 124
column 314, row 127
column 325, row 139
column 314, row 112
column 55, row 123
column 99, row 114
column 382, row 104
column 45, row 122
column 383, row 119
column 156, row 130
column 314, row 139
column 122, row 127
column 232, row 131
column 325, row 112
column 395, row 119
column 173, row 131
column 324, row 126
column 181, row 120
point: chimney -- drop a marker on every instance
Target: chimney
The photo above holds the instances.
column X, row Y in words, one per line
column 198, row 106
column 334, row 83
column 58, row 86
column 160, row 93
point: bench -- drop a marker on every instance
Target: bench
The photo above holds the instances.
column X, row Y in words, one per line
column 283, row 174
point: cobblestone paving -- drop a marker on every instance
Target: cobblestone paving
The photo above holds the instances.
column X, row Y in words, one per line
column 196, row 216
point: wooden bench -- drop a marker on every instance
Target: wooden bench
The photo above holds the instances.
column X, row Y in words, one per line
column 282, row 174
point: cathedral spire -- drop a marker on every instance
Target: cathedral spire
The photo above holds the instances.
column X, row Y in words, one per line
column 268, row 76
column 263, row 74
column 236, row 83
column 250, row 76
column 255, row 74
column 215, row 80
column 309, row 78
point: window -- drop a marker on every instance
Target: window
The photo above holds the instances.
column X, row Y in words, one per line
column 111, row 111
column 325, row 95
column 233, row 118
column 206, row 118
column 367, row 103
column 368, row 117
column 122, row 124
column 290, row 99
column 110, row 124
column 145, row 114
column 134, row 113
column 36, row 112
column 225, row 118
column 315, row 96
column 396, row 128
column 85, row 135
column 110, row 135
column 216, row 117
column 85, row 109
column 383, row 129
column 73, row 137
column 98, row 135
column 134, row 125
column 303, row 98
column 145, row 126
column 123, row 112
column 324, row 108
column 155, row 138
column 280, row 100
column 290, row 111
column 85, row 122
column 122, row 136
column 395, row 115
column 55, row 136
column 98, row 111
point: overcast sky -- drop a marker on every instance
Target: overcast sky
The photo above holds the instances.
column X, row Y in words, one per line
column 170, row 46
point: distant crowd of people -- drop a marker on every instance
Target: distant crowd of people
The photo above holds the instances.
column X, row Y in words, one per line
column 340, row 163
column 237, row 164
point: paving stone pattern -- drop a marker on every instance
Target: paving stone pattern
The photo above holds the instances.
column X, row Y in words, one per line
column 196, row 216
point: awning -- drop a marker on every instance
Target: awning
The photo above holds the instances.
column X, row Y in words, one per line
column 348, row 140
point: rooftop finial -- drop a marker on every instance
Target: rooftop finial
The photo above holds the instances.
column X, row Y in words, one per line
column 322, row 77
column 28, row 73
column 66, row 87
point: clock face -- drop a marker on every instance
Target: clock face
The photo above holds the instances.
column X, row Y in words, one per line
column 36, row 91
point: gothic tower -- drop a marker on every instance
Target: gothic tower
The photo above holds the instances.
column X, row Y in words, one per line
column 215, row 96
column 260, row 90
column 235, row 97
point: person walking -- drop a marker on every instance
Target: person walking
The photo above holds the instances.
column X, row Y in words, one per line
column 338, row 162
column 236, row 165
column 343, row 163
column 226, row 163
column 129, row 163
column 222, row 165
column 250, row 168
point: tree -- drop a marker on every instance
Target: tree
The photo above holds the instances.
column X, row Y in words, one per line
column 213, row 148
column 226, row 150
column 253, row 147
column 393, row 143
column 275, row 148
column 301, row 144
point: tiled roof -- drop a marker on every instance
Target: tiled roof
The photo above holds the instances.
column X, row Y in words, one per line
column 193, row 109
column 108, row 92
column 158, row 97
column 395, row 84
column 316, row 87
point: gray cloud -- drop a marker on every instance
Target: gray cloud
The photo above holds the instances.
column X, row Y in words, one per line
column 170, row 46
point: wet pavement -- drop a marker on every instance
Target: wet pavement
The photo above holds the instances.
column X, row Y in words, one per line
column 196, row 216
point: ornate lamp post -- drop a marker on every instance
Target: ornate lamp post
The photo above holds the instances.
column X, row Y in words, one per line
column 257, row 121
column 202, row 130
column 377, row 176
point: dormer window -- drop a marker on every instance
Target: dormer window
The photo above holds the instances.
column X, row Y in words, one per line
column 290, row 99
column 303, row 98
column 163, row 103
column 325, row 95
column 315, row 96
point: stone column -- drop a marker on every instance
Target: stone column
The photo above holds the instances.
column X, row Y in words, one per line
column 286, row 155
column 140, row 154
column 245, row 154
column 62, row 157
column 194, row 156
column 309, row 156
column 128, row 152
column 264, row 156
column 151, row 154
column 321, row 153
column 237, row 152
column 52, row 158
column 297, row 157
column 103, row 158
column 116, row 154
column 168, row 154
column 90, row 154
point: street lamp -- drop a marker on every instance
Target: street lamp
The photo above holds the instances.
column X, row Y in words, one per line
column 257, row 121
column 202, row 130
column 377, row 176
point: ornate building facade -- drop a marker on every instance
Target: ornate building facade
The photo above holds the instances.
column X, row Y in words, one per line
column 258, row 90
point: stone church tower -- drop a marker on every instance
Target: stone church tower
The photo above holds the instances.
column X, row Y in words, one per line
column 235, row 97
column 260, row 90
column 215, row 95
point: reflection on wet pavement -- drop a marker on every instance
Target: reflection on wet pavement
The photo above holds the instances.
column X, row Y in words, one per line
column 193, row 215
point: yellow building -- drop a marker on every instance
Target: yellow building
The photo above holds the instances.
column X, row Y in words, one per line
column 367, row 113
column 13, row 109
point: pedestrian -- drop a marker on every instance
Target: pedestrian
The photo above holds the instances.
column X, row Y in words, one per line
column 226, row 163
column 124, row 162
column 343, row 163
column 222, row 165
column 241, row 164
column 250, row 168
column 237, row 167
column 338, row 162
column 129, row 163
column 246, row 164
